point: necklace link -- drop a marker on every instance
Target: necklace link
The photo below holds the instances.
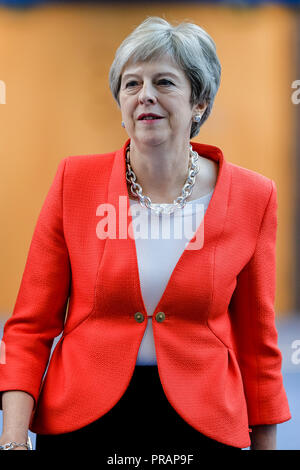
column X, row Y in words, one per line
column 179, row 202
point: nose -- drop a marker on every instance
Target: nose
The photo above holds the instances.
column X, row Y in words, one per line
column 147, row 94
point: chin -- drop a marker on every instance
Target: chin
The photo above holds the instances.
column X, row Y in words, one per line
column 152, row 140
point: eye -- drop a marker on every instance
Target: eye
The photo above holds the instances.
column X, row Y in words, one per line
column 131, row 84
column 165, row 81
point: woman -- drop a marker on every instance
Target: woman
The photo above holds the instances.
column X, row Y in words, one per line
column 169, row 342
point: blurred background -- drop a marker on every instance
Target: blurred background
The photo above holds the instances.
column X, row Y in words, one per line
column 55, row 102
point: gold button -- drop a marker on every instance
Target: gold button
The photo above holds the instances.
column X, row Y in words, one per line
column 139, row 317
column 160, row 316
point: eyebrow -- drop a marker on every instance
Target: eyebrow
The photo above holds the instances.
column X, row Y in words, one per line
column 126, row 75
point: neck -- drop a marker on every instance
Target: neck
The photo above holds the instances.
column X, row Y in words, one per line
column 160, row 171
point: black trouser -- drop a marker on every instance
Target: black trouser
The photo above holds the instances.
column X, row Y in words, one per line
column 143, row 421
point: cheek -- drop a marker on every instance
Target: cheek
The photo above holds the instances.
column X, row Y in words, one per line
column 181, row 115
column 180, row 109
column 127, row 108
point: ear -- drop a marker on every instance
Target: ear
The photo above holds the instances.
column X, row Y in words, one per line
column 200, row 108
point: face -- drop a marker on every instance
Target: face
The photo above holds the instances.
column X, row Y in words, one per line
column 155, row 102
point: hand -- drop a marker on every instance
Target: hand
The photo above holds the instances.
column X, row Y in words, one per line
column 263, row 437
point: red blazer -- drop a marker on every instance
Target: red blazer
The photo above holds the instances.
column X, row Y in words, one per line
column 217, row 354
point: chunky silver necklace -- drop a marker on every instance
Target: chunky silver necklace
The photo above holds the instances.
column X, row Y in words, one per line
column 179, row 202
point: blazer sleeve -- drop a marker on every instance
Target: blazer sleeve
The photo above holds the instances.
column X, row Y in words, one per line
column 253, row 321
column 40, row 307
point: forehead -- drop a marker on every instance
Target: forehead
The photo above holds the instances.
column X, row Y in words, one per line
column 164, row 64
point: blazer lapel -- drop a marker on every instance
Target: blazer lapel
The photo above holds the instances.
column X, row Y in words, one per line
column 118, row 275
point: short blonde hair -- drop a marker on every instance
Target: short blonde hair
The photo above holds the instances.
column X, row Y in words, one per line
column 189, row 45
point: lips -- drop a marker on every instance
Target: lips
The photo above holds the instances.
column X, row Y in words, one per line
column 149, row 116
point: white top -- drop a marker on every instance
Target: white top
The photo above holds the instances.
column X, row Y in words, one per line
column 160, row 242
